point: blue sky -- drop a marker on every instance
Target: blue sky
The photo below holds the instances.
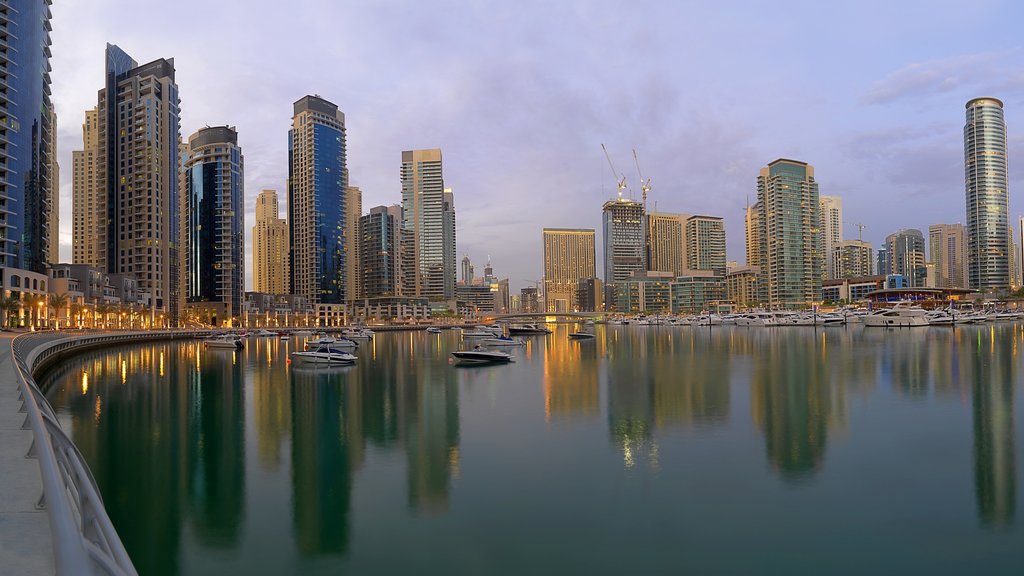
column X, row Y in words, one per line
column 521, row 95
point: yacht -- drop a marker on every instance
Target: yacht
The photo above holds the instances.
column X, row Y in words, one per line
column 528, row 329
column 332, row 342
column 262, row 333
column 479, row 356
column 357, row 333
column 581, row 335
column 899, row 316
column 503, row 341
column 433, row 330
column 224, row 341
column 324, row 353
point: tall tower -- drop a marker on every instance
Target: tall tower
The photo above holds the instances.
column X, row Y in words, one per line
column 317, row 178
column 467, row 271
column 947, row 245
column 623, row 228
column 428, row 214
column 215, row 188
column 381, row 251
column 27, row 164
column 988, row 243
column 790, row 241
column 753, row 224
column 666, row 238
column 906, row 256
column 831, row 229
column 569, row 255
column 269, row 247
column 353, row 211
column 852, row 259
column 705, row 244
column 88, row 202
column 138, row 118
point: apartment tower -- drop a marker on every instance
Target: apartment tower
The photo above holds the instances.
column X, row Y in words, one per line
column 905, row 250
column 381, row 251
column 428, row 216
column 831, row 230
column 88, row 199
column 947, row 244
column 569, row 256
column 623, row 231
column 705, row 244
column 852, row 259
column 353, row 211
column 269, row 246
column 988, row 242
column 666, row 237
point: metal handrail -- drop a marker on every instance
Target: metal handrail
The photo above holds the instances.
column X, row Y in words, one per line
column 84, row 538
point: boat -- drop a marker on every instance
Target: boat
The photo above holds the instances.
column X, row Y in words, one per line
column 503, row 341
column 528, row 329
column 479, row 356
column 324, row 353
column 433, row 330
column 285, row 337
column 333, row 342
column 757, row 319
column 477, row 334
column 357, row 333
column 581, row 336
column 224, row 341
column 899, row 316
column 262, row 333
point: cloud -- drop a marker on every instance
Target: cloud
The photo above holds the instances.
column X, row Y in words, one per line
column 920, row 79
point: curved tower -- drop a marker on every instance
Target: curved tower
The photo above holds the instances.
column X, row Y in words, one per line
column 988, row 239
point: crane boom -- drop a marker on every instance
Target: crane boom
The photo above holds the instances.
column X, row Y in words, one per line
column 620, row 182
column 645, row 185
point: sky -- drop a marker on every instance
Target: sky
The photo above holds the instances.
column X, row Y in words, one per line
column 521, row 95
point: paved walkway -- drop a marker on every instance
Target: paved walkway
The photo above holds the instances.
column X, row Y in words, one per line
column 25, row 541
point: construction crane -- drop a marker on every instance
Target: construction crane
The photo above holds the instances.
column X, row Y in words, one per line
column 645, row 185
column 619, row 181
column 860, row 231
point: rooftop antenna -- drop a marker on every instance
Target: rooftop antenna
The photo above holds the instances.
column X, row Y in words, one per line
column 860, row 231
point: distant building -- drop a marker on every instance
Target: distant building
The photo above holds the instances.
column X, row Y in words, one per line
column 882, row 264
column 569, row 255
column 906, row 252
column 644, row 293
column 741, row 286
column 705, row 244
column 428, row 212
column 590, row 294
column 851, row 259
column 353, row 211
column 88, row 201
column 623, row 233
column 666, row 235
column 831, row 230
column 985, row 173
column 270, row 269
column 752, row 220
column 528, row 301
column 380, row 251
column 948, row 251
column 850, row 289
column 696, row 290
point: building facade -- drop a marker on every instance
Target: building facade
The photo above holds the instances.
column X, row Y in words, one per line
column 947, row 245
column 353, row 212
column 788, row 218
column 705, row 244
column 317, row 178
column 381, row 251
column 269, row 246
column 215, row 191
column 569, row 255
column 852, row 259
column 741, row 286
column 428, row 214
column 906, row 251
column 831, row 230
column 88, row 200
column 666, row 236
column 985, row 174
column 624, row 250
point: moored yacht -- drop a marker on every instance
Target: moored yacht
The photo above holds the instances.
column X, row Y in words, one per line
column 480, row 356
column 899, row 316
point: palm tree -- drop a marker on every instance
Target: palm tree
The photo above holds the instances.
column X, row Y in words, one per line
column 8, row 306
column 58, row 302
column 76, row 312
column 103, row 309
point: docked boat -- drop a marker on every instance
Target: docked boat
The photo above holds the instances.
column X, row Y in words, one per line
column 503, row 341
column 479, row 356
column 477, row 334
column 324, row 353
column 227, row 341
column 899, row 316
column 346, row 343
column 433, row 330
column 357, row 333
column 262, row 333
column 581, row 335
column 528, row 329
column 285, row 337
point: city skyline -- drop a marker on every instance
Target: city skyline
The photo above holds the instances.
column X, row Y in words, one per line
column 885, row 126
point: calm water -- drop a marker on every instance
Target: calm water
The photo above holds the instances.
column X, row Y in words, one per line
column 648, row 451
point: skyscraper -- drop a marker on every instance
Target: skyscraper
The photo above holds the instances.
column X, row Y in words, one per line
column 569, row 256
column 623, row 230
column 215, row 188
column 790, row 241
column 831, row 229
column 947, row 245
column 666, row 237
column 353, row 211
column 27, row 163
column 317, row 177
column 753, row 224
column 852, row 259
column 988, row 244
column 428, row 213
column 269, row 246
column 381, row 251
column 88, row 201
column 138, row 119
column 705, row 244
column 906, row 256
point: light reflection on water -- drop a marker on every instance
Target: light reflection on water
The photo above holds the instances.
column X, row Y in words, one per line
column 213, row 460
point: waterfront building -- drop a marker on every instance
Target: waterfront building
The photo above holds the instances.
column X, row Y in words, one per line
column 666, row 235
column 380, row 251
column 27, row 162
column 428, row 213
column 141, row 235
column 317, row 178
column 644, row 293
column 88, row 199
column 569, row 255
column 985, row 174
column 214, row 219
column 831, row 230
column 705, row 244
column 789, row 239
column 391, row 309
column 741, row 286
column 269, row 246
column 467, row 270
column 851, row 259
column 624, row 250
column 353, row 212
column 851, row 289
column 528, row 300
column 52, row 212
column 905, row 249
column 476, row 298
column 947, row 245
column 590, row 294
column 695, row 291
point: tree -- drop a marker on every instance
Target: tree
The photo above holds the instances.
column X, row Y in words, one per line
column 103, row 310
column 58, row 302
column 76, row 312
column 9, row 306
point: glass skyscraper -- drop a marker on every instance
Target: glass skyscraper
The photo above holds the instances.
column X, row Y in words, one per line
column 988, row 238
column 428, row 214
column 317, row 177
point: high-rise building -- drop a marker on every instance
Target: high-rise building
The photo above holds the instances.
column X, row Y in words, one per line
column 381, row 251
column 947, row 245
column 215, row 188
column 988, row 245
column 666, row 237
column 467, row 270
column 27, row 163
column 569, row 255
column 906, row 256
column 88, row 200
column 138, row 119
column 52, row 217
column 831, row 230
column 623, row 230
column 753, row 225
column 705, row 244
column 269, row 247
column 317, row 178
column 852, row 259
column 428, row 213
column 353, row 211
column 882, row 263
column 790, row 241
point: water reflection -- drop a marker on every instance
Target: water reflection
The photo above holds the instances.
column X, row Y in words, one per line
column 995, row 465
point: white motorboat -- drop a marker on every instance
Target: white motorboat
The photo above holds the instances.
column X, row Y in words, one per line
column 943, row 318
column 433, row 330
column 477, row 334
column 528, row 329
column 333, row 342
column 503, row 341
column 357, row 333
column 262, row 333
column 224, row 341
column 285, row 337
column 324, row 353
column 899, row 316
column 479, row 356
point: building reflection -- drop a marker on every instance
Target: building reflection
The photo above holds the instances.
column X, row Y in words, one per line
column 271, row 403
column 995, row 465
column 571, row 383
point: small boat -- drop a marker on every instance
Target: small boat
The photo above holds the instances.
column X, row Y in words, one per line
column 477, row 334
column 358, row 333
column 324, row 353
column 224, row 341
column 479, row 356
column 433, row 330
column 262, row 333
column 528, row 329
column 285, row 337
column 503, row 341
column 580, row 335
column 333, row 342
